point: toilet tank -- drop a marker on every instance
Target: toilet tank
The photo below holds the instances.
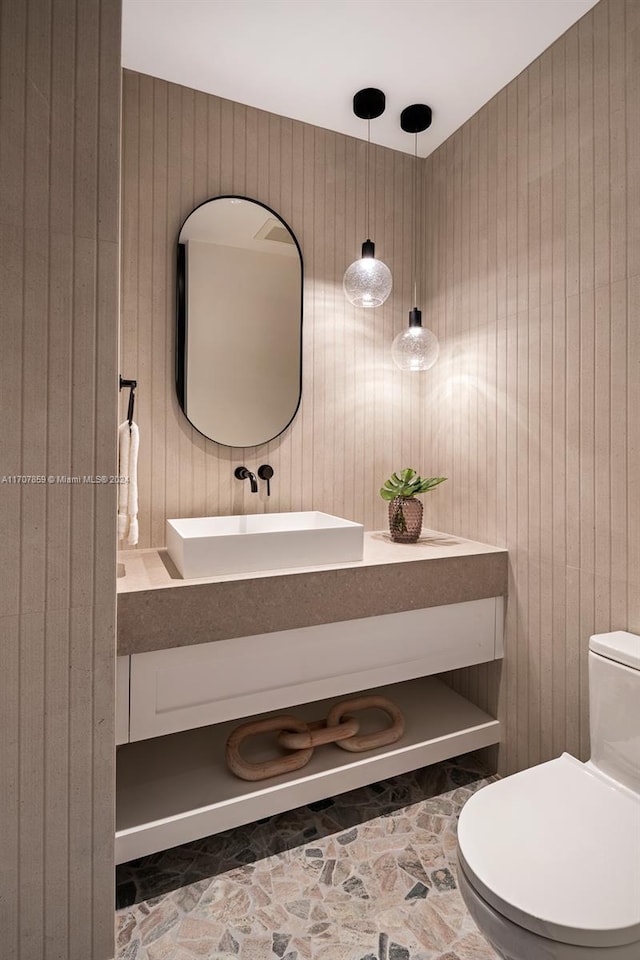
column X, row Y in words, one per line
column 614, row 705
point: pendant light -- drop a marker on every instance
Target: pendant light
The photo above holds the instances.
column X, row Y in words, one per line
column 368, row 281
column 415, row 348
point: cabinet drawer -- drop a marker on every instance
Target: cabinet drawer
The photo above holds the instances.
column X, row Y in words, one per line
column 194, row 686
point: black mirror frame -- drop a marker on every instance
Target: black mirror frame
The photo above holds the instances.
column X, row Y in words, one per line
column 181, row 316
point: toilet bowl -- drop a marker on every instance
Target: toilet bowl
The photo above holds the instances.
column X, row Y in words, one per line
column 549, row 858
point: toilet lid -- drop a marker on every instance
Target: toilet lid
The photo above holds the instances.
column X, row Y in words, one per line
column 556, row 850
column 620, row 646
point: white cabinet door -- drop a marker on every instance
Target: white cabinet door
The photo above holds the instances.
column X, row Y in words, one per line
column 194, row 686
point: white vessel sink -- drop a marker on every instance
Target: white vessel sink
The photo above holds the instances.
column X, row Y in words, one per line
column 212, row 546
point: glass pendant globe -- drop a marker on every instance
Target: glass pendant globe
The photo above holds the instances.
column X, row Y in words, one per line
column 367, row 282
column 416, row 348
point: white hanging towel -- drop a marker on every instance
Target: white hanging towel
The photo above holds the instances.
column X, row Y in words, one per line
column 128, row 444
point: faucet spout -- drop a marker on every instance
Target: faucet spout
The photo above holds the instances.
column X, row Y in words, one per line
column 241, row 473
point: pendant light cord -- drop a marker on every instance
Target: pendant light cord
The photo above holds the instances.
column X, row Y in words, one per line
column 367, row 179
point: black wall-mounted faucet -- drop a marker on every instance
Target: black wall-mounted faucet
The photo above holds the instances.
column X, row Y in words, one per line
column 241, row 473
column 265, row 472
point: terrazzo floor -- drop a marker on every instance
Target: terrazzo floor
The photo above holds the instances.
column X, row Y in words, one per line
column 368, row 875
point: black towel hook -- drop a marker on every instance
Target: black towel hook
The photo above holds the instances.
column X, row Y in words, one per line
column 132, row 384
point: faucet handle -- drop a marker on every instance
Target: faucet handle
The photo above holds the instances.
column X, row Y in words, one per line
column 265, row 472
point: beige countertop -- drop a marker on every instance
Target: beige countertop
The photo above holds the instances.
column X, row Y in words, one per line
column 391, row 577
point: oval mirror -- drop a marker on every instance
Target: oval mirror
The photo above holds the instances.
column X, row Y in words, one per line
column 239, row 321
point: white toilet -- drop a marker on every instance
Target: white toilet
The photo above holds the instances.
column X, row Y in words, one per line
column 549, row 859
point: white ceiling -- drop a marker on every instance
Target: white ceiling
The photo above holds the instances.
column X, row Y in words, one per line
column 305, row 59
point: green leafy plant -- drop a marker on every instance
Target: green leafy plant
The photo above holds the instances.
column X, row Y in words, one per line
column 403, row 486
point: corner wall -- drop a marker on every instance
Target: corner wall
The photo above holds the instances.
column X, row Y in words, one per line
column 59, row 162
column 532, row 219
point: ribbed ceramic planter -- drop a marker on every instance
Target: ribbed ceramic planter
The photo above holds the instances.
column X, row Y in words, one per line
column 405, row 519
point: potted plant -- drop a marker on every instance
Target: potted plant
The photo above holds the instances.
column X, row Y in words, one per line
column 405, row 512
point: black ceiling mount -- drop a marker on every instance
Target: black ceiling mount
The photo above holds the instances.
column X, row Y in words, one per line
column 416, row 118
column 369, row 103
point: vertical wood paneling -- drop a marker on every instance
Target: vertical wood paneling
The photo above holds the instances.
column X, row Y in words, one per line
column 633, row 454
column 544, row 679
column 11, row 272
column 561, row 174
column 10, row 753
column 31, row 823
column 59, row 187
column 360, row 418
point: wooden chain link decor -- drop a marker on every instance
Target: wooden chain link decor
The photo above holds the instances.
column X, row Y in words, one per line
column 301, row 738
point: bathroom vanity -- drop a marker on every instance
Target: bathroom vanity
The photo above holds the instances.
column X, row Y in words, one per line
column 198, row 657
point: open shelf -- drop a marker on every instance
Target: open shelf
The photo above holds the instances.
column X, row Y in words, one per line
column 177, row 788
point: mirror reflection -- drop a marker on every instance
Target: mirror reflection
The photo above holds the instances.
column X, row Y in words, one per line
column 239, row 323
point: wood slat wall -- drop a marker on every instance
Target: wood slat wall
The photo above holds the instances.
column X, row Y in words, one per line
column 59, row 259
column 360, row 417
column 532, row 232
